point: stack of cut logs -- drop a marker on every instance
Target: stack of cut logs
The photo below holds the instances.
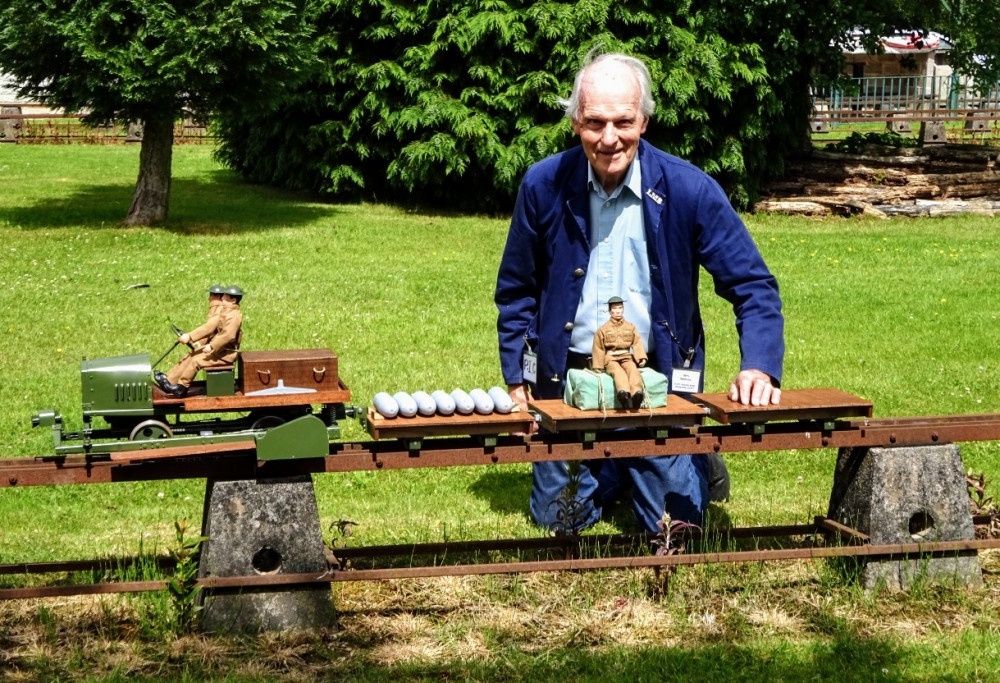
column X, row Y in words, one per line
column 888, row 181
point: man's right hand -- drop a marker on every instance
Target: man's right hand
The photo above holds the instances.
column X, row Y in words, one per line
column 519, row 395
column 754, row 388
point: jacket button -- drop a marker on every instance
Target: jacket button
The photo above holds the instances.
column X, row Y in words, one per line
column 579, row 272
column 568, row 327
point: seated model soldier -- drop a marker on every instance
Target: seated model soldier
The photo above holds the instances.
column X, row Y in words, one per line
column 618, row 350
column 215, row 343
column 215, row 293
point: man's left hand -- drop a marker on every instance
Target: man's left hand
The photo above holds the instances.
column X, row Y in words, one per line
column 754, row 388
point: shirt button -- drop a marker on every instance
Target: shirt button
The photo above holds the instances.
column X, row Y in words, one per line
column 568, row 327
column 579, row 272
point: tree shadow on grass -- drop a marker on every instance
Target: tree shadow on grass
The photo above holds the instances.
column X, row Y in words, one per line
column 506, row 490
column 848, row 656
column 217, row 206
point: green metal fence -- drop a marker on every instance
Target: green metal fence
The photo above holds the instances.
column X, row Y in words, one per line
column 906, row 94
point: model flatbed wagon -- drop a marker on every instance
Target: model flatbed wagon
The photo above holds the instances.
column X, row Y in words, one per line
column 265, row 390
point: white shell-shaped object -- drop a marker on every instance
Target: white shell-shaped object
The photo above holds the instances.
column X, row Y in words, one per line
column 502, row 402
column 482, row 401
column 463, row 402
column 444, row 402
column 407, row 406
column 385, row 404
column 425, row 404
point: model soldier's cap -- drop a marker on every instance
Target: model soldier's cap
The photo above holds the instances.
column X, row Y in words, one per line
column 216, row 289
column 234, row 291
column 615, row 300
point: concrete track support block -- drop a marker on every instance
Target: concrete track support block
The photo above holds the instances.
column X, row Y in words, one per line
column 266, row 526
column 907, row 495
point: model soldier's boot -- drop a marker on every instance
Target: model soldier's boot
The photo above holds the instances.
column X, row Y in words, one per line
column 624, row 399
column 637, row 400
column 169, row 387
column 178, row 390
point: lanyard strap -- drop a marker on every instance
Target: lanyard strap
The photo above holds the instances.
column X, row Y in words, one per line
column 689, row 354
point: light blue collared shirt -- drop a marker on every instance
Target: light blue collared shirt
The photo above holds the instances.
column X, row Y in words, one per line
column 619, row 264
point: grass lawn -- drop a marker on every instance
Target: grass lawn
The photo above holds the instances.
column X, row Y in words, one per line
column 903, row 312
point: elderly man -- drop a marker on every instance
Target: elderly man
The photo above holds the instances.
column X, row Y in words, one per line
column 618, row 216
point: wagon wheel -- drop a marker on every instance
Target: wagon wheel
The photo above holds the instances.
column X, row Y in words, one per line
column 150, row 429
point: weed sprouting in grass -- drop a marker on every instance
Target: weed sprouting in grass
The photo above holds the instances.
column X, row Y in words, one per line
column 344, row 529
column 668, row 541
column 48, row 623
column 153, row 609
column 570, row 509
column 983, row 505
column 182, row 585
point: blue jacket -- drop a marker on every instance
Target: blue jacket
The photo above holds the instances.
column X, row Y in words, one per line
column 689, row 223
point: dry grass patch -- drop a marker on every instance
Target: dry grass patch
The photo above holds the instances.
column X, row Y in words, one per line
column 492, row 623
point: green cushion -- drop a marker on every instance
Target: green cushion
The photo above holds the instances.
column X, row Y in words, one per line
column 583, row 390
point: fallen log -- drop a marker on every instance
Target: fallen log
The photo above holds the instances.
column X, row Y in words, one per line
column 841, row 206
column 819, row 206
column 845, row 184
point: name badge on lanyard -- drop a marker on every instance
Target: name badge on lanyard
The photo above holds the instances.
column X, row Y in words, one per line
column 685, row 381
column 529, row 366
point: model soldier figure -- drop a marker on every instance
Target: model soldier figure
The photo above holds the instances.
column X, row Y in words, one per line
column 215, row 343
column 215, row 293
column 618, row 350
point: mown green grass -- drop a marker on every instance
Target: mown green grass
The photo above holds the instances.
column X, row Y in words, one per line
column 955, row 130
column 902, row 312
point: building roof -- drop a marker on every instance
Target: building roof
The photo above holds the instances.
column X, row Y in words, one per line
column 902, row 42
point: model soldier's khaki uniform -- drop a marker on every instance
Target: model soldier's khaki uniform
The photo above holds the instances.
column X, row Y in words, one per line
column 222, row 331
column 618, row 350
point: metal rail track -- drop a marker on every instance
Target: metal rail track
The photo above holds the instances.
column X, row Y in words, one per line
column 241, row 462
column 572, row 547
column 194, row 462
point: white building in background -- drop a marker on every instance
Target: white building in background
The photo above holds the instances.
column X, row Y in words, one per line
column 911, row 72
column 9, row 98
column 7, row 94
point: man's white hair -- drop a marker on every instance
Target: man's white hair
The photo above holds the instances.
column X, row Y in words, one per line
column 646, row 104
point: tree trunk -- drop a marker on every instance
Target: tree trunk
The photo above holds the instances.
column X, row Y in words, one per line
column 152, row 189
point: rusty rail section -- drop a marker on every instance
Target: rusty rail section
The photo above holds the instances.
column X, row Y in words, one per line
column 835, row 540
column 341, row 571
column 453, row 451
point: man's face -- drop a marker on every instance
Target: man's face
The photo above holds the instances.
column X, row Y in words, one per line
column 610, row 122
column 617, row 311
column 212, row 298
